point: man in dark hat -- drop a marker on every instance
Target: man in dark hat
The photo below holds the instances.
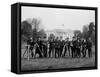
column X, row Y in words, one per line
column 73, row 47
column 83, row 48
column 59, row 47
column 89, row 47
column 56, row 48
column 51, row 47
column 32, row 43
column 44, row 48
column 39, row 46
column 62, row 43
column 66, row 47
column 78, row 48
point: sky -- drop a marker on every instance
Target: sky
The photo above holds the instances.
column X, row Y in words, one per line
column 55, row 18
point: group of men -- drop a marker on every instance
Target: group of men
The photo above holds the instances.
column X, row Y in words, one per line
column 60, row 48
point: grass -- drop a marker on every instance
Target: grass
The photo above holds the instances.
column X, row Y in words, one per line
column 56, row 63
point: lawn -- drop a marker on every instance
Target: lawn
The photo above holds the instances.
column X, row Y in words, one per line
column 56, row 63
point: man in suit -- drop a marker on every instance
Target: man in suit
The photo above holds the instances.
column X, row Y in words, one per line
column 51, row 47
column 89, row 47
column 83, row 48
column 78, row 48
column 73, row 47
